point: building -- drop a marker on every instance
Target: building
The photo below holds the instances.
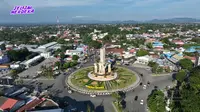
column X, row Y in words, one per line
column 143, row 60
column 115, row 51
column 9, row 104
column 9, row 47
column 47, row 47
column 32, row 61
column 6, row 80
column 4, row 59
column 49, row 110
column 74, row 52
column 82, row 48
column 46, row 54
column 193, row 59
column 16, row 65
column 178, row 42
column 4, row 67
column 157, row 45
column 32, row 103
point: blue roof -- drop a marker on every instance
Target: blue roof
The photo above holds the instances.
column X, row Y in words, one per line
column 157, row 44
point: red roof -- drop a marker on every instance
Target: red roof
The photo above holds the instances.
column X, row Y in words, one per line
column 8, row 104
column 189, row 57
column 132, row 50
column 115, row 50
column 31, row 105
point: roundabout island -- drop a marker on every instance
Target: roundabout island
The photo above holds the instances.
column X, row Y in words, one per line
column 103, row 78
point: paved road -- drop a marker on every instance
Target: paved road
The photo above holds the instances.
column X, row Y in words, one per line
column 132, row 106
column 33, row 70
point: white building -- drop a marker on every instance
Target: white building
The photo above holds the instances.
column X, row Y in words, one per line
column 143, row 60
column 16, row 65
column 31, row 61
column 46, row 54
column 47, row 46
column 74, row 52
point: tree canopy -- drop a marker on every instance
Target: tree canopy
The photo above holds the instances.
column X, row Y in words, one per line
column 142, row 52
column 156, row 101
column 75, row 57
column 181, row 75
column 190, row 95
column 186, row 63
column 18, row 55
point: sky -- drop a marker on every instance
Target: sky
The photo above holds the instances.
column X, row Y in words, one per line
column 103, row 10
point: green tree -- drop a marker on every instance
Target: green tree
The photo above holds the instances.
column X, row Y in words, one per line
column 156, row 101
column 61, row 41
column 66, row 65
column 18, row 55
column 189, row 94
column 89, row 108
column 14, row 74
column 142, row 52
column 62, row 55
column 149, row 45
column 151, row 64
column 95, row 44
column 3, row 47
column 167, row 70
column 75, row 57
column 186, row 63
column 181, row 75
column 72, row 64
column 166, row 41
column 57, row 64
column 159, row 70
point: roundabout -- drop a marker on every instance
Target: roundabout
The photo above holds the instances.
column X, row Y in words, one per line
column 103, row 78
column 124, row 80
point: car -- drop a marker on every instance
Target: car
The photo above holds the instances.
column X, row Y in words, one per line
column 136, row 97
column 140, row 83
column 142, row 102
column 92, row 96
column 145, row 87
column 69, row 91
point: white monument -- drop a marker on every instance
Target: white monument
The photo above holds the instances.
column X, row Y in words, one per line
column 100, row 68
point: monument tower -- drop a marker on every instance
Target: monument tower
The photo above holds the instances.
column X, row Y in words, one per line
column 100, row 68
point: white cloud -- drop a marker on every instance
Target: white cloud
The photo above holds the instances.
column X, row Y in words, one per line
column 51, row 3
column 80, row 17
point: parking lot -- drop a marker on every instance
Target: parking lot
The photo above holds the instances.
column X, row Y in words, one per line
column 32, row 71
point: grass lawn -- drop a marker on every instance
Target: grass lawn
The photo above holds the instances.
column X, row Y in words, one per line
column 125, row 78
column 119, row 109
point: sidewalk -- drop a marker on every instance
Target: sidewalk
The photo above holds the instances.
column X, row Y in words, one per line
column 37, row 79
column 162, row 74
column 140, row 66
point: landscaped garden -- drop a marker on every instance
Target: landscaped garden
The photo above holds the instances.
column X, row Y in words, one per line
column 125, row 78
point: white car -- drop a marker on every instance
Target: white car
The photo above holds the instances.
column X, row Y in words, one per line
column 69, row 91
column 145, row 87
column 92, row 96
column 141, row 102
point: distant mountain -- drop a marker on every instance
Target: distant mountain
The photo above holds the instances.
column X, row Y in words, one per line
column 87, row 21
column 174, row 20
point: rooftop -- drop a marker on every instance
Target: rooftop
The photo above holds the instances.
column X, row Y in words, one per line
column 47, row 45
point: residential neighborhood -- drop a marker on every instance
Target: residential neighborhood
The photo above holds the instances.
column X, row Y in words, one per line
column 37, row 61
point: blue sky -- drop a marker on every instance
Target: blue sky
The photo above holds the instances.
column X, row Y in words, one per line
column 67, row 10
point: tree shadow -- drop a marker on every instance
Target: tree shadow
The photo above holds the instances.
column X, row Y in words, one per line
column 70, row 104
column 100, row 108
